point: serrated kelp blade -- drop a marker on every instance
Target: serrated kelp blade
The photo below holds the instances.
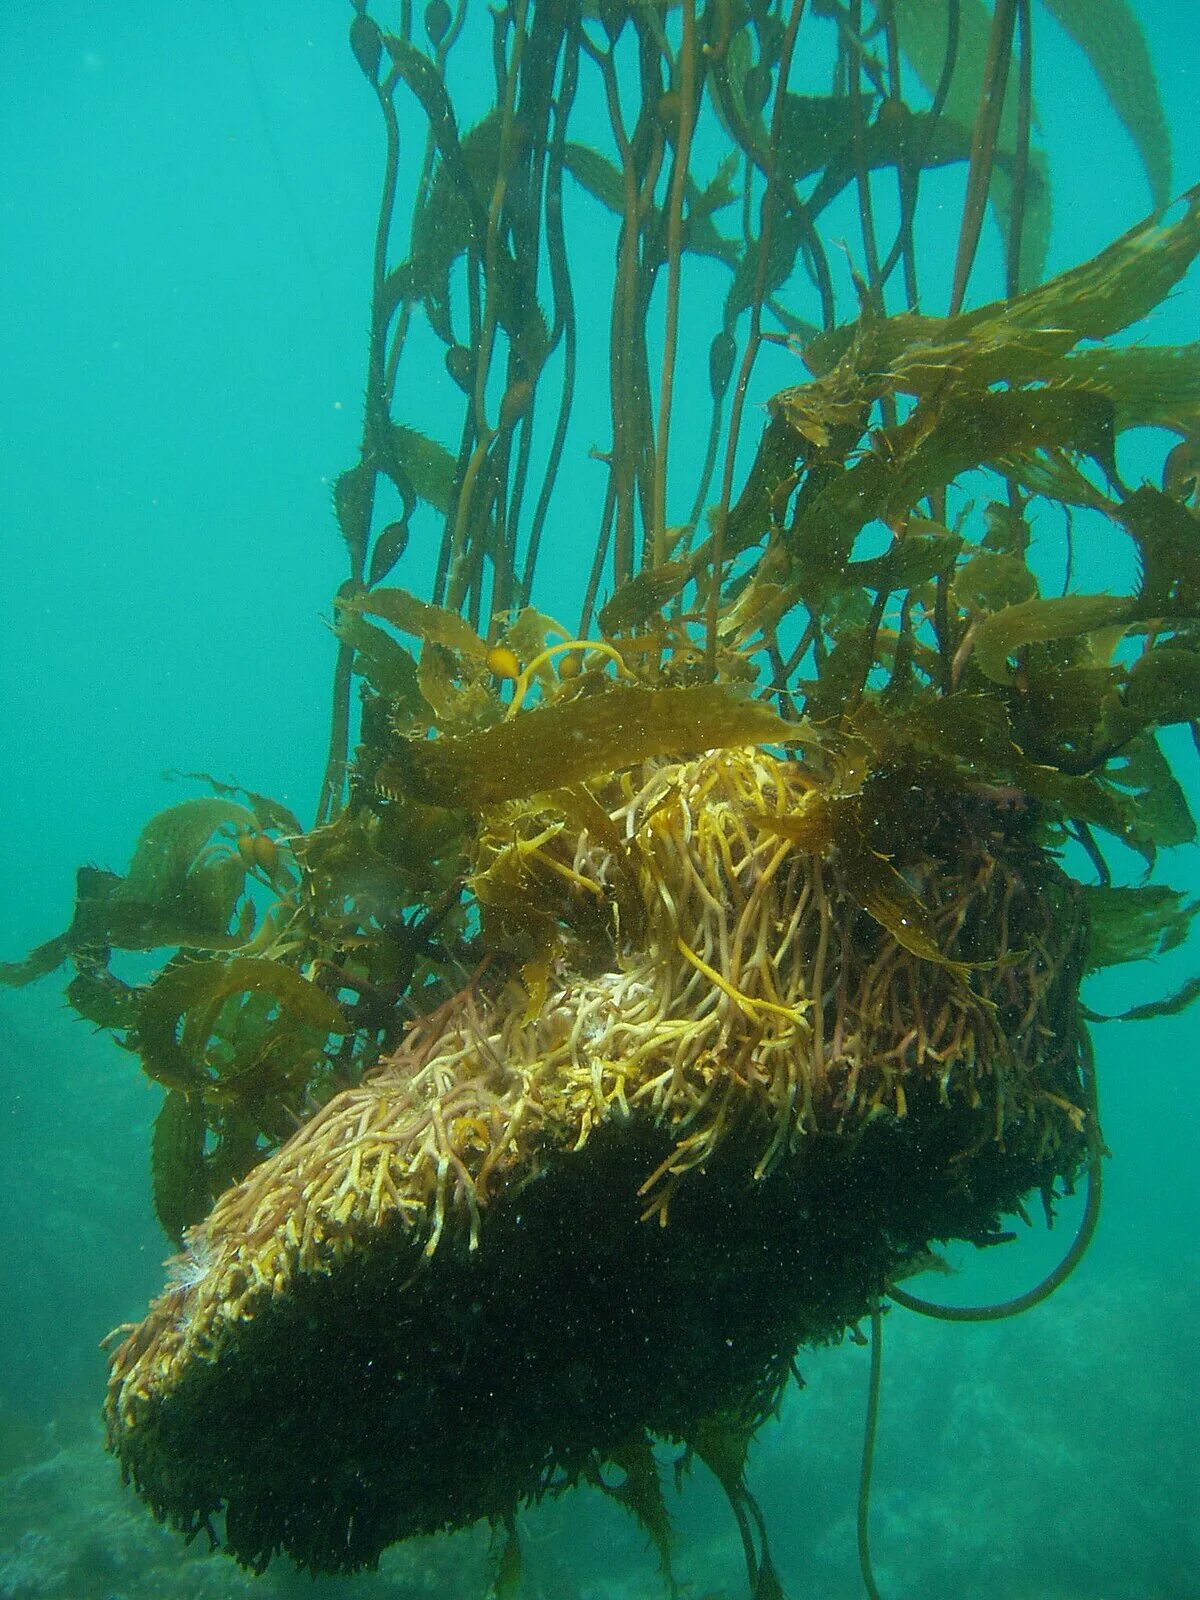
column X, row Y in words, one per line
column 100, row 997
column 640, row 1493
column 106, row 915
column 445, row 216
column 1163, row 687
column 41, row 960
column 1134, row 923
column 569, row 742
column 1167, row 535
column 643, row 597
column 353, row 499
column 181, row 889
column 1006, row 430
column 411, row 615
column 177, row 1173
column 459, row 692
column 179, row 1009
column 1156, row 809
column 1169, row 1006
column 1150, row 386
column 1021, row 340
column 168, row 845
column 596, row 174
column 916, row 559
column 1040, row 621
column 268, row 812
column 428, row 465
column 1114, row 289
column 386, row 665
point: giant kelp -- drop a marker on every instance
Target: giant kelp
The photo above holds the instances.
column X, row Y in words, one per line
column 749, row 907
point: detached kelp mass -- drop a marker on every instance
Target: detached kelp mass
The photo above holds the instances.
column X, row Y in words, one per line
column 800, row 1104
column 651, row 995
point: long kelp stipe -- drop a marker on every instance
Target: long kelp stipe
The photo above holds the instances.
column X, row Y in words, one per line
column 656, row 987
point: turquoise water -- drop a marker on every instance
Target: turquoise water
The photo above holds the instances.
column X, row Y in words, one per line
column 188, row 201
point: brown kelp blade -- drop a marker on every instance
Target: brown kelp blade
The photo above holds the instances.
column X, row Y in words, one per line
column 569, row 742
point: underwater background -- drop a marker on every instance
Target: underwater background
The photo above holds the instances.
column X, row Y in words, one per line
column 187, row 198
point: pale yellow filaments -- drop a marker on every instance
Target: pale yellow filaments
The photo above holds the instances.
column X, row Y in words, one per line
column 754, row 998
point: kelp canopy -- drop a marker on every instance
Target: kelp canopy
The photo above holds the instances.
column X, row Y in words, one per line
column 757, row 901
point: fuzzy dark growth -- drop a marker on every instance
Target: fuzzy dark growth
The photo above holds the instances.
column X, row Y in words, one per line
column 365, row 1408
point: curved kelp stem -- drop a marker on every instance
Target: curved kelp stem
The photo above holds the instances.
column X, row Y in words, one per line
column 868, row 1455
column 354, row 492
column 741, row 388
column 983, row 145
column 910, row 181
column 986, row 1313
column 1012, row 266
column 722, row 1446
column 687, row 116
column 565, row 326
column 760, row 1569
column 1079, row 1244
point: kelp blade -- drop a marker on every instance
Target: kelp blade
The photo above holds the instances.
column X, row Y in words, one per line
column 180, row 1010
column 568, row 742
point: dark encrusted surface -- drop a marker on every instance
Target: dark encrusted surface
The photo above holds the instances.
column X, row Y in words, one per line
column 372, row 1404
